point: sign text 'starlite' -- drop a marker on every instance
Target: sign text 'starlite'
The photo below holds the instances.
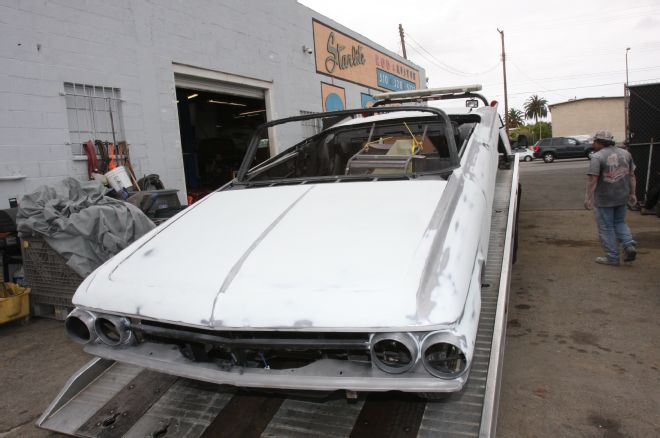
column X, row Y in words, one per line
column 343, row 57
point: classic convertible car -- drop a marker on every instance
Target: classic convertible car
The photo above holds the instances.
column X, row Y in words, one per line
column 350, row 261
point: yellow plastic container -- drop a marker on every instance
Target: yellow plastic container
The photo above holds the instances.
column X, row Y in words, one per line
column 14, row 302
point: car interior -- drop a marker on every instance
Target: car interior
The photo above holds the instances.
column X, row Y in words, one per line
column 398, row 147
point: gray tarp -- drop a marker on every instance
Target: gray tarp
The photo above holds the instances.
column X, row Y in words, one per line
column 81, row 224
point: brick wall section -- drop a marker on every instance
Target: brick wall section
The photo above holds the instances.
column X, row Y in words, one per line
column 131, row 45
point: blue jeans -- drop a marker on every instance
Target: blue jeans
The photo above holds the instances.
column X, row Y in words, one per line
column 612, row 227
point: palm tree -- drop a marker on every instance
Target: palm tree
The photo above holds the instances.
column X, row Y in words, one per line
column 515, row 118
column 536, row 107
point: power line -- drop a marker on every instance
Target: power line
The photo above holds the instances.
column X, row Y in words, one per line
column 433, row 60
column 568, row 88
column 441, row 66
column 445, row 68
column 552, row 23
column 591, row 53
column 532, row 79
column 597, row 15
column 579, row 76
column 593, row 19
column 448, row 67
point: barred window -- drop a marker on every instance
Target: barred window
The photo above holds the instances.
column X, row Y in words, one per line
column 94, row 113
column 311, row 127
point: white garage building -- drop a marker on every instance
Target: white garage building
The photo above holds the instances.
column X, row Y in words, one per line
column 181, row 82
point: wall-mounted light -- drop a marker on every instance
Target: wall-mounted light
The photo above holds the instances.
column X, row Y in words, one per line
column 192, row 96
column 307, row 50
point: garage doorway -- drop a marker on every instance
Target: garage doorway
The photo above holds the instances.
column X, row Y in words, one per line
column 216, row 121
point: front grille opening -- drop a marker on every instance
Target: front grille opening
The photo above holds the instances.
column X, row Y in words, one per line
column 275, row 359
column 265, row 350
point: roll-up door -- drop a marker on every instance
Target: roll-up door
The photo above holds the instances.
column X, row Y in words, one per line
column 204, row 84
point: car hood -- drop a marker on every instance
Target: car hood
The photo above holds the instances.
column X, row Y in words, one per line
column 333, row 255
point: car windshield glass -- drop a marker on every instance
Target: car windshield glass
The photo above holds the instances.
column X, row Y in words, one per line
column 377, row 147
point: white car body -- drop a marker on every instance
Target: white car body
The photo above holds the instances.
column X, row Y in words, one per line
column 524, row 154
column 315, row 260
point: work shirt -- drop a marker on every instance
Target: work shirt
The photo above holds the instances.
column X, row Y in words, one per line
column 613, row 167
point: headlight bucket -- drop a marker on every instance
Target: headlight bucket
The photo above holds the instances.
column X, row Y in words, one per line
column 442, row 356
column 80, row 326
column 394, row 353
column 113, row 330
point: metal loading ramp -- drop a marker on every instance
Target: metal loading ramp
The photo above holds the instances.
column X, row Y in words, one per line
column 112, row 399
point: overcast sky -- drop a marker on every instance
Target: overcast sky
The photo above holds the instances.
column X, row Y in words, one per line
column 559, row 50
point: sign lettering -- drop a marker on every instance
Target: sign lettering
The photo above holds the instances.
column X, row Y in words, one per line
column 390, row 82
column 343, row 61
column 341, row 56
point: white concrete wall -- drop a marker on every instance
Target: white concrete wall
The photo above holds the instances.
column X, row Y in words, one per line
column 586, row 116
column 131, row 45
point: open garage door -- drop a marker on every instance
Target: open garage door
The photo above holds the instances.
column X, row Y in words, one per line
column 216, row 122
column 205, row 84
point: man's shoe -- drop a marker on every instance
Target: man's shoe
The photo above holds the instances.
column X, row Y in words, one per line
column 630, row 253
column 606, row 261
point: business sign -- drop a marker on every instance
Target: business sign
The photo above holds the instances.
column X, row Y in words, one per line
column 343, row 57
column 393, row 83
column 334, row 97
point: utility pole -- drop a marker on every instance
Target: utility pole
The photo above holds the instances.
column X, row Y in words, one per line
column 627, row 50
column 506, row 97
column 626, row 98
column 403, row 41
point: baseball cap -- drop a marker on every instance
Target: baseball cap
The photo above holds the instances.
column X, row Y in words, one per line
column 603, row 135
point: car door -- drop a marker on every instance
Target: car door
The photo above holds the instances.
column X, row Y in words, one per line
column 573, row 147
column 558, row 147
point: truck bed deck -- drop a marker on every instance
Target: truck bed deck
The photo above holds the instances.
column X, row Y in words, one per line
column 112, row 399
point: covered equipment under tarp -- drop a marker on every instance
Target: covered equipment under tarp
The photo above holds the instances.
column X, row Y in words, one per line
column 80, row 223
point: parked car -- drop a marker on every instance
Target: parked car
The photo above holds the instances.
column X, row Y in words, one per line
column 352, row 260
column 551, row 149
column 583, row 138
column 524, row 154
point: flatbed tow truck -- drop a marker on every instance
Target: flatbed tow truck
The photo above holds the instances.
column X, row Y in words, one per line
column 112, row 399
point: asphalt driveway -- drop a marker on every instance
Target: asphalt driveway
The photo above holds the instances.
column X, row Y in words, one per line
column 582, row 357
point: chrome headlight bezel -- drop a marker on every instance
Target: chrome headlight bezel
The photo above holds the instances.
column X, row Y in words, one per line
column 113, row 330
column 407, row 340
column 437, row 338
column 79, row 319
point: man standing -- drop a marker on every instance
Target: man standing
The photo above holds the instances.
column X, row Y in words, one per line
column 610, row 187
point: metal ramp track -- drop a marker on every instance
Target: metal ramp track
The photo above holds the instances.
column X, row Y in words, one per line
column 188, row 408
column 462, row 414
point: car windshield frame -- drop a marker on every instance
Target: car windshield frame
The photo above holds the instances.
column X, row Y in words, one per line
column 243, row 176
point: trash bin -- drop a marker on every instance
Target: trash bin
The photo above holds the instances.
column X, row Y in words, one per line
column 14, row 302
